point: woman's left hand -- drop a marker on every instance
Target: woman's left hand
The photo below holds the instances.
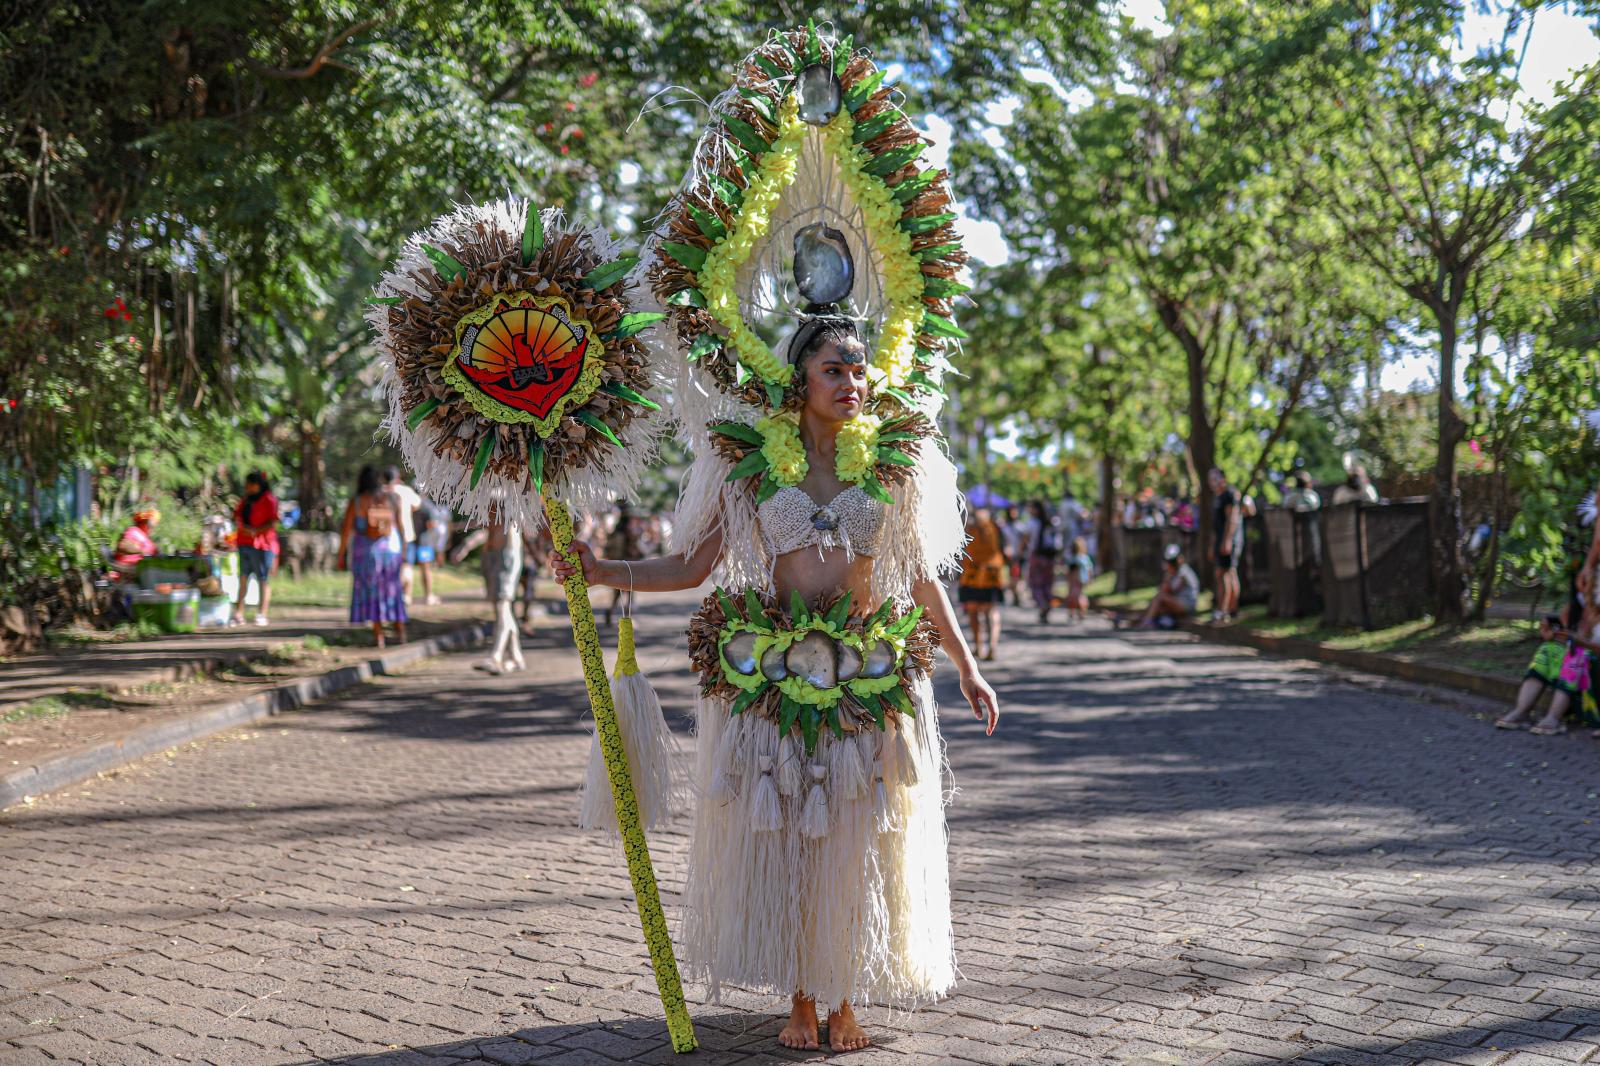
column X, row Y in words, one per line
column 985, row 707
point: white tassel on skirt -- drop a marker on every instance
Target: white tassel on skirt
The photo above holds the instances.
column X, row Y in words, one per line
column 651, row 748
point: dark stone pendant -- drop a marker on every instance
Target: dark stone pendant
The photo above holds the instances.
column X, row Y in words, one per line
column 825, row 520
column 820, row 94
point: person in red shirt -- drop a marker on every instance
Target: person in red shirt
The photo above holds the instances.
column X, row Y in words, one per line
column 257, row 520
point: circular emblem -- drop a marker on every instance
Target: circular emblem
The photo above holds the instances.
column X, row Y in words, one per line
column 522, row 358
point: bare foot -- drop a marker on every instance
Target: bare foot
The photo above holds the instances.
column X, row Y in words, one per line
column 843, row 1032
column 801, row 1032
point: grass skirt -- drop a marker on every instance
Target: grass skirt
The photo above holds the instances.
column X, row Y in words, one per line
column 826, row 875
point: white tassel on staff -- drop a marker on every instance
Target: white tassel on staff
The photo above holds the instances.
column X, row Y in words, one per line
column 651, row 748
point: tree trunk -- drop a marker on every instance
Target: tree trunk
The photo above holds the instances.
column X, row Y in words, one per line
column 1444, row 505
column 312, row 470
column 1202, row 442
column 1106, row 515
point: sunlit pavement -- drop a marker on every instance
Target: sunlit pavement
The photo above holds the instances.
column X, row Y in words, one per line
column 1170, row 853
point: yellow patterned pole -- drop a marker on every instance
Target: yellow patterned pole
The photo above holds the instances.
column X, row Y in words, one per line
column 643, row 874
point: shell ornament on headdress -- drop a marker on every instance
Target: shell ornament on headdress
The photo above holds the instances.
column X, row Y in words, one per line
column 512, row 362
column 805, row 192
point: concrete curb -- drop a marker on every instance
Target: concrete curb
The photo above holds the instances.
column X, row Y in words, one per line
column 67, row 769
column 1499, row 688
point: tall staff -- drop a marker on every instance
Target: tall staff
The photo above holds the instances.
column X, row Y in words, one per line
column 517, row 385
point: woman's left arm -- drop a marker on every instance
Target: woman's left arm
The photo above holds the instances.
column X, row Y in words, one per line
column 930, row 596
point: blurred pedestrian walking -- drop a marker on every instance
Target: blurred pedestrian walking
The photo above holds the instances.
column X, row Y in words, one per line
column 1044, row 552
column 981, row 587
column 502, row 575
column 255, row 521
column 370, row 546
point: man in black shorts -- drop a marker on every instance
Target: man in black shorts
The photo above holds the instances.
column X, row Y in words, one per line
column 1227, row 538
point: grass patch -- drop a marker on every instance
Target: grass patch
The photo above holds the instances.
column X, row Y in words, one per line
column 332, row 589
column 117, row 634
column 47, row 707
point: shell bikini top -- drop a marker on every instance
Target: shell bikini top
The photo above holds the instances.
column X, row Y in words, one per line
column 791, row 520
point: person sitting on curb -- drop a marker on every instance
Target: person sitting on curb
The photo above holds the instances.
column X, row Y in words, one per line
column 1562, row 664
column 1176, row 596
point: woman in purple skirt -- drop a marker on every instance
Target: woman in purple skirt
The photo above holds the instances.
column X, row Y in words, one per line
column 370, row 544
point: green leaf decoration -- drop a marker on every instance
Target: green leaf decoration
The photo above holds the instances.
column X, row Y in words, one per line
column 939, row 288
column 813, row 43
column 917, row 377
column 592, row 420
column 879, row 709
column 761, row 102
column 810, row 724
column 744, row 701
column 897, row 435
column 687, row 298
column 687, row 254
column 608, row 274
column 741, row 158
column 924, row 223
column 746, row 135
column 388, row 301
column 448, row 266
column 636, row 322
column 751, row 464
column 754, row 612
column 788, row 711
column 840, row 611
column 769, row 68
column 896, row 456
column 709, row 223
column 907, row 190
column 768, row 489
column 532, row 235
column 479, row 464
column 729, row 611
column 863, row 91
column 726, row 191
column 536, row 465
column 908, row 623
column 421, row 411
column 798, row 615
column 621, row 391
column 893, row 160
column 739, row 431
column 832, row 713
column 706, row 342
column 940, row 326
column 873, row 127
column 875, row 489
column 885, row 609
column 774, row 394
column 898, row 697
column 938, row 251
column 899, row 394
column 841, row 55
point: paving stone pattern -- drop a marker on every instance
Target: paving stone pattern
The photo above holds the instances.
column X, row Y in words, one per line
column 1172, row 853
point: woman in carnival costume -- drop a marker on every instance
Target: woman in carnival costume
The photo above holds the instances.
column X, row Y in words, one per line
column 822, row 501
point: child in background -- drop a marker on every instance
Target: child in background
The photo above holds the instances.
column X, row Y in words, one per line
column 1080, row 571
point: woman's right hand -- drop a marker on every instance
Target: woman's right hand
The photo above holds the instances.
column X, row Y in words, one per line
column 562, row 568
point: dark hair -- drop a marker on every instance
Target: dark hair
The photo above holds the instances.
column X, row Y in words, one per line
column 260, row 478
column 391, row 473
column 1038, row 509
column 821, row 325
column 1302, row 478
column 368, row 481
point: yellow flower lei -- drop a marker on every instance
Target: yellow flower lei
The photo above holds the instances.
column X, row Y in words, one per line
column 716, row 277
column 895, row 356
column 855, row 456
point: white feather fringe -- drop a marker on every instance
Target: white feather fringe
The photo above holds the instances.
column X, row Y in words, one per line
column 766, row 812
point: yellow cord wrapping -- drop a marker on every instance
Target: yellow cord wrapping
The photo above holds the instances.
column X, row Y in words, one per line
column 640, row 870
column 626, row 663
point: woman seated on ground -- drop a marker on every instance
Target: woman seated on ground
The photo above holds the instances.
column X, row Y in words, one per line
column 1175, row 597
column 136, row 542
column 1562, row 664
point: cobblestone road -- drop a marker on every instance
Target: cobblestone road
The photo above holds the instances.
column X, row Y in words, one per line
column 1172, row 853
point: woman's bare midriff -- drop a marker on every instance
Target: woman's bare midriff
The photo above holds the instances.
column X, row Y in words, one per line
column 816, row 575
